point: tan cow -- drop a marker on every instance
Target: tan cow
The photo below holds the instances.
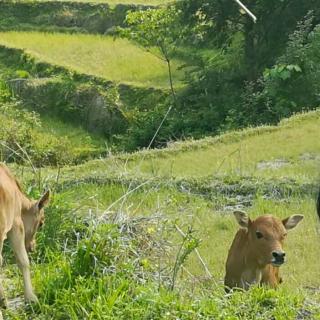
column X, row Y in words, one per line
column 20, row 218
column 257, row 250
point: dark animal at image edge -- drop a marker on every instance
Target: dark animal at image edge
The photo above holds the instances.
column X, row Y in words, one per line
column 20, row 219
column 318, row 204
column 257, row 251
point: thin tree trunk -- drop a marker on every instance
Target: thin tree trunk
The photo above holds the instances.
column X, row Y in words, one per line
column 171, row 81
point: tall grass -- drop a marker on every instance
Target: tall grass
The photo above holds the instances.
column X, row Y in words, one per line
column 116, row 60
column 108, row 270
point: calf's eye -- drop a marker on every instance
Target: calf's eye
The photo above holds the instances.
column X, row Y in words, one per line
column 259, row 234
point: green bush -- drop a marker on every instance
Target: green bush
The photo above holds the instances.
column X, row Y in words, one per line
column 290, row 86
column 23, row 140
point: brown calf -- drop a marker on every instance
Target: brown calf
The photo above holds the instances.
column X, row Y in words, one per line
column 257, row 250
column 20, row 218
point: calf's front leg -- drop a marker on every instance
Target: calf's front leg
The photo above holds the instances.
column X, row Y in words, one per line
column 16, row 238
column 3, row 301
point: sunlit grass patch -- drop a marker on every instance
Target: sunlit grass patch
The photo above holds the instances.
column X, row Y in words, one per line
column 75, row 134
column 288, row 151
column 26, row 138
column 211, row 218
column 291, row 150
column 116, row 60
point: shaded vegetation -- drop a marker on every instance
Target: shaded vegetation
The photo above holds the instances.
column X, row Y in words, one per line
column 63, row 16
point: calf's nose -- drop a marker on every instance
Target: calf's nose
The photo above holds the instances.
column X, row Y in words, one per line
column 278, row 255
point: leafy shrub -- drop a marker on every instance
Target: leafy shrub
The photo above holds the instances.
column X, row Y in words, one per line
column 290, row 86
column 23, row 140
column 142, row 127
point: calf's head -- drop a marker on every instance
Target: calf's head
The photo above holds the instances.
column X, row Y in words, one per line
column 265, row 236
column 33, row 219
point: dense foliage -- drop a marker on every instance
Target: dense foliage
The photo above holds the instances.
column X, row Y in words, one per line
column 23, row 138
column 239, row 73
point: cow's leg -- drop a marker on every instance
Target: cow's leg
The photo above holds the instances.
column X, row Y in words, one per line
column 3, row 300
column 16, row 237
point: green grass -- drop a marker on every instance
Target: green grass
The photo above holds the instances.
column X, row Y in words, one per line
column 213, row 224
column 56, row 281
column 295, row 141
column 115, row 2
column 46, row 141
column 248, row 153
column 115, row 60
column 77, row 136
column 213, row 157
column 85, row 192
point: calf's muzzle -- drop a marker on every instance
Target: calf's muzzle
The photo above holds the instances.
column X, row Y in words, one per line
column 278, row 257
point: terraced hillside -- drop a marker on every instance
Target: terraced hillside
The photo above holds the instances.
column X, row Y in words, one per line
column 94, row 17
column 287, row 151
column 95, row 82
column 115, row 60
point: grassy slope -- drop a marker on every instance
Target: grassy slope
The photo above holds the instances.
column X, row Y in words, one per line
column 293, row 138
column 119, row 61
column 210, row 217
column 213, row 223
column 48, row 133
column 52, row 141
column 295, row 141
column 242, row 153
column 77, row 136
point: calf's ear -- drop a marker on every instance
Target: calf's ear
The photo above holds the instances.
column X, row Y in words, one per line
column 242, row 218
column 44, row 200
column 292, row 221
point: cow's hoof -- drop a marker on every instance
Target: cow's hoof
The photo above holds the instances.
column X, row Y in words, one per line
column 31, row 298
column 3, row 303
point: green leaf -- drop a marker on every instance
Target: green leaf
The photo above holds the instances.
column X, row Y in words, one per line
column 285, row 74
